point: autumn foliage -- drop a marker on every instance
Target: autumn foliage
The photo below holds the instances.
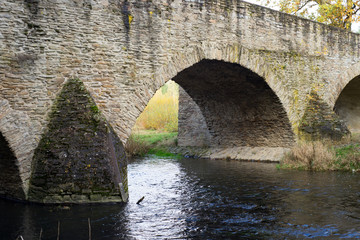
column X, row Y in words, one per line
column 161, row 113
column 338, row 13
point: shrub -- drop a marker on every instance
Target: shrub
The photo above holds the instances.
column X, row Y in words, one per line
column 319, row 156
column 315, row 156
column 347, row 158
column 136, row 146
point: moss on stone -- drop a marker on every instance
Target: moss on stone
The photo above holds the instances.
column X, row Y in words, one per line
column 79, row 151
column 320, row 122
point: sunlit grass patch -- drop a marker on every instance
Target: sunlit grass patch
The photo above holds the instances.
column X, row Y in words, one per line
column 154, row 137
column 151, row 142
column 161, row 113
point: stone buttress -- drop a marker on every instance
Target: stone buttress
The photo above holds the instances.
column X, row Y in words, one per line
column 79, row 158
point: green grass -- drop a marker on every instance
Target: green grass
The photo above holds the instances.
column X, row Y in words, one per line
column 151, row 142
column 154, row 137
column 347, row 157
column 163, row 153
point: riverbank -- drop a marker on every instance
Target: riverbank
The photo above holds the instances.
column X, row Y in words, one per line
column 164, row 144
column 152, row 142
column 309, row 156
column 324, row 156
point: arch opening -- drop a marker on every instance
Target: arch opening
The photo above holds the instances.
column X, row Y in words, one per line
column 239, row 107
column 156, row 128
column 10, row 181
column 347, row 106
column 229, row 110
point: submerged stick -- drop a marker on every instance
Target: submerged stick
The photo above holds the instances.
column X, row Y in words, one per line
column 140, row 200
column 58, row 236
column 40, row 234
column 89, row 228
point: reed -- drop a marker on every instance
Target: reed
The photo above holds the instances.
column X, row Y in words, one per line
column 161, row 113
column 320, row 156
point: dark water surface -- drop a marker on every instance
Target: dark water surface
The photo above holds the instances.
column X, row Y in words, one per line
column 205, row 199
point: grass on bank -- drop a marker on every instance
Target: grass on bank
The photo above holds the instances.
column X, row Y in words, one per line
column 320, row 156
column 151, row 142
column 153, row 137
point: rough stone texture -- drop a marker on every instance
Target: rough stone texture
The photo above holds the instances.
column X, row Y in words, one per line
column 272, row 154
column 239, row 108
column 193, row 131
column 16, row 129
column 124, row 51
column 319, row 121
column 79, row 158
column 268, row 154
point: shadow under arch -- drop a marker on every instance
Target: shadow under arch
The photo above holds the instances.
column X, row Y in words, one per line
column 344, row 97
column 273, row 110
column 341, row 82
column 347, row 105
column 10, row 182
column 19, row 141
column 239, row 107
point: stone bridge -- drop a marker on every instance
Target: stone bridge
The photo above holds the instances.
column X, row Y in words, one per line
column 75, row 75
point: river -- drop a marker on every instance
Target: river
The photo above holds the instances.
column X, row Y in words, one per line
column 204, row 199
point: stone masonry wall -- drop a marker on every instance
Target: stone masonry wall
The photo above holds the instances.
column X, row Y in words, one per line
column 348, row 105
column 193, row 130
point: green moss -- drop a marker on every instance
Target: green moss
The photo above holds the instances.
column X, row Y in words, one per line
column 95, row 109
column 76, row 141
column 319, row 121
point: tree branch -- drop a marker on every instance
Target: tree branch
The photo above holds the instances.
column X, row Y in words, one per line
column 308, row 1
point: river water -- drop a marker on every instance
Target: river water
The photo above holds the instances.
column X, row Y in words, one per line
column 204, row 199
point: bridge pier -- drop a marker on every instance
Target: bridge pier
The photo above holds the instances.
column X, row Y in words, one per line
column 320, row 122
column 79, row 159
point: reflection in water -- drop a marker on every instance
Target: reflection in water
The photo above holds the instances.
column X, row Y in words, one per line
column 204, row 199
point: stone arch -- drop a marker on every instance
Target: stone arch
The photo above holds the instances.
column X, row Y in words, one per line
column 253, row 60
column 234, row 55
column 343, row 79
column 237, row 54
column 17, row 137
column 239, row 107
column 345, row 100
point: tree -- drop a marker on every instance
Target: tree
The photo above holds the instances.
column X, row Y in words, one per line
column 338, row 13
